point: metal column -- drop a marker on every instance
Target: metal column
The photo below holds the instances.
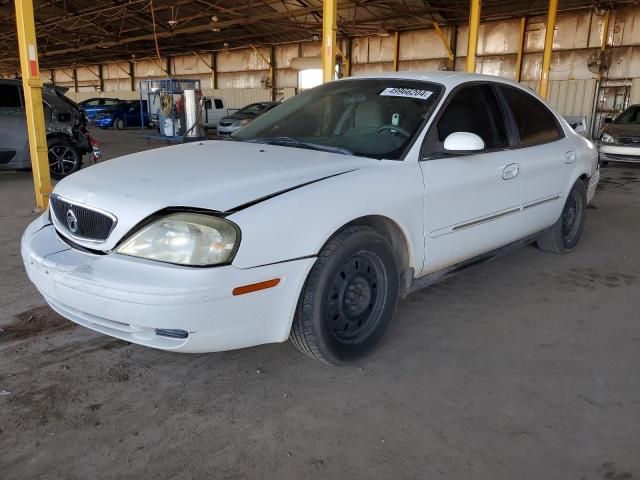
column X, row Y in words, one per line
column 32, row 85
column 396, row 50
column 474, row 26
column 521, row 39
column 329, row 26
column 548, row 47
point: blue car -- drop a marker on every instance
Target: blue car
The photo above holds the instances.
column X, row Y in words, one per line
column 125, row 114
column 93, row 106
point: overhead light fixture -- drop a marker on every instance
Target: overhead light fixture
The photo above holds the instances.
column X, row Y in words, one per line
column 225, row 44
column 214, row 19
column 172, row 23
column 215, row 29
column 315, row 37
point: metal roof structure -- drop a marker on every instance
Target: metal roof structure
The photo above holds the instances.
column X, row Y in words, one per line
column 77, row 32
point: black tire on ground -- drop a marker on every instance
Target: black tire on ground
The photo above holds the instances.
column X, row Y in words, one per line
column 604, row 163
column 119, row 123
column 565, row 234
column 349, row 298
column 64, row 158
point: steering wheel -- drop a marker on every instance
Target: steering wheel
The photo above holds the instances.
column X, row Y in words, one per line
column 394, row 129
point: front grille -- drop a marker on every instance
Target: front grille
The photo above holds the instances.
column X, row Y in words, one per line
column 82, row 222
column 629, row 140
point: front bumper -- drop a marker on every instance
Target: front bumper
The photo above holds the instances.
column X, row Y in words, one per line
column 131, row 299
column 103, row 122
column 619, row 153
column 228, row 130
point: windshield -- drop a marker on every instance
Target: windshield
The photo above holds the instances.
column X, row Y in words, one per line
column 253, row 109
column 630, row 116
column 376, row 118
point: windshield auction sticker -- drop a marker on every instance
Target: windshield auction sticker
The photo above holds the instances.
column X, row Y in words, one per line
column 406, row 92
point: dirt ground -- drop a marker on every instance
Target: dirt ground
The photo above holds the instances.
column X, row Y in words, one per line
column 523, row 368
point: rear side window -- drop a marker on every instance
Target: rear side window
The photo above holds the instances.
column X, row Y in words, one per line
column 474, row 109
column 536, row 124
column 9, row 96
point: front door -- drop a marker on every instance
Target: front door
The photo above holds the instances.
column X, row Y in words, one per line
column 472, row 201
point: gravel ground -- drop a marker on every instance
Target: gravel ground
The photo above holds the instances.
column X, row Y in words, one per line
column 523, row 368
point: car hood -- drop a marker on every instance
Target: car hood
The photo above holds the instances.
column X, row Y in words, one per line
column 623, row 130
column 214, row 175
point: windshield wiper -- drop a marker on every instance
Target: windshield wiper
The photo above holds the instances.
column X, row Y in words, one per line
column 292, row 142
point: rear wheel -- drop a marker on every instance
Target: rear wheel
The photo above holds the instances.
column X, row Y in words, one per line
column 119, row 123
column 64, row 158
column 566, row 232
column 349, row 298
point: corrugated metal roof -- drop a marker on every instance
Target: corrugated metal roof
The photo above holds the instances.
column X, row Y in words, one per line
column 76, row 32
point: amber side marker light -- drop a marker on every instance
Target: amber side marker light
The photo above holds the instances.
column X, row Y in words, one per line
column 254, row 287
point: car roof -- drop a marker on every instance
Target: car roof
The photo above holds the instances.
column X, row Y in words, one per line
column 449, row 79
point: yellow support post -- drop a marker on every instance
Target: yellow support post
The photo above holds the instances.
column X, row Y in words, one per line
column 548, row 47
column 396, row 50
column 329, row 27
column 32, row 85
column 474, row 26
column 523, row 28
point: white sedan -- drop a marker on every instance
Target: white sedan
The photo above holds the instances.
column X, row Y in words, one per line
column 312, row 221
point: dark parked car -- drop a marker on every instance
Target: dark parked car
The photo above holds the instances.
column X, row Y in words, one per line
column 66, row 129
column 234, row 122
column 620, row 139
column 125, row 114
column 93, row 106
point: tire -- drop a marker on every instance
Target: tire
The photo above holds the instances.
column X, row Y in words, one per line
column 118, row 123
column 64, row 158
column 565, row 234
column 349, row 298
column 604, row 163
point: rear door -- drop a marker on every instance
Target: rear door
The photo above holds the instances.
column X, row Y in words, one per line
column 14, row 151
column 472, row 200
column 548, row 159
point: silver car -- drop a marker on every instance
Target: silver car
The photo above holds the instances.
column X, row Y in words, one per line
column 65, row 122
column 620, row 139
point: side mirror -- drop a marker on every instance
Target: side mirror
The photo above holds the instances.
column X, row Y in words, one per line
column 608, row 120
column 463, row 142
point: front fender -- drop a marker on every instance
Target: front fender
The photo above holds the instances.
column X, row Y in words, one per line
column 299, row 222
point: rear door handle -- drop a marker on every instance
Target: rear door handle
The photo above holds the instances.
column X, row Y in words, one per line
column 570, row 157
column 510, row 171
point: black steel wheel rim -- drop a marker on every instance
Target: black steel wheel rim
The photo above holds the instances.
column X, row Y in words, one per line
column 62, row 159
column 356, row 297
column 571, row 217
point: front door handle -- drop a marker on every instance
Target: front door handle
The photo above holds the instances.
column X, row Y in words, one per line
column 510, row 171
column 570, row 157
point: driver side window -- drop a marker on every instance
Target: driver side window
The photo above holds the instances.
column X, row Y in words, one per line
column 474, row 109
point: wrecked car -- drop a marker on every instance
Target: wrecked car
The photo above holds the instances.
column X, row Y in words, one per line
column 68, row 139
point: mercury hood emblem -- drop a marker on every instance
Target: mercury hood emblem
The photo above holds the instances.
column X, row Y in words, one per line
column 72, row 221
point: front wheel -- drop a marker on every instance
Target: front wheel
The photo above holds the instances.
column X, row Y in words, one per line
column 566, row 232
column 119, row 124
column 64, row 158
column 349, row 298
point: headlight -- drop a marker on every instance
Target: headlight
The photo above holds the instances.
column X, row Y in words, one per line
column 606, row 138
column 186, row 239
